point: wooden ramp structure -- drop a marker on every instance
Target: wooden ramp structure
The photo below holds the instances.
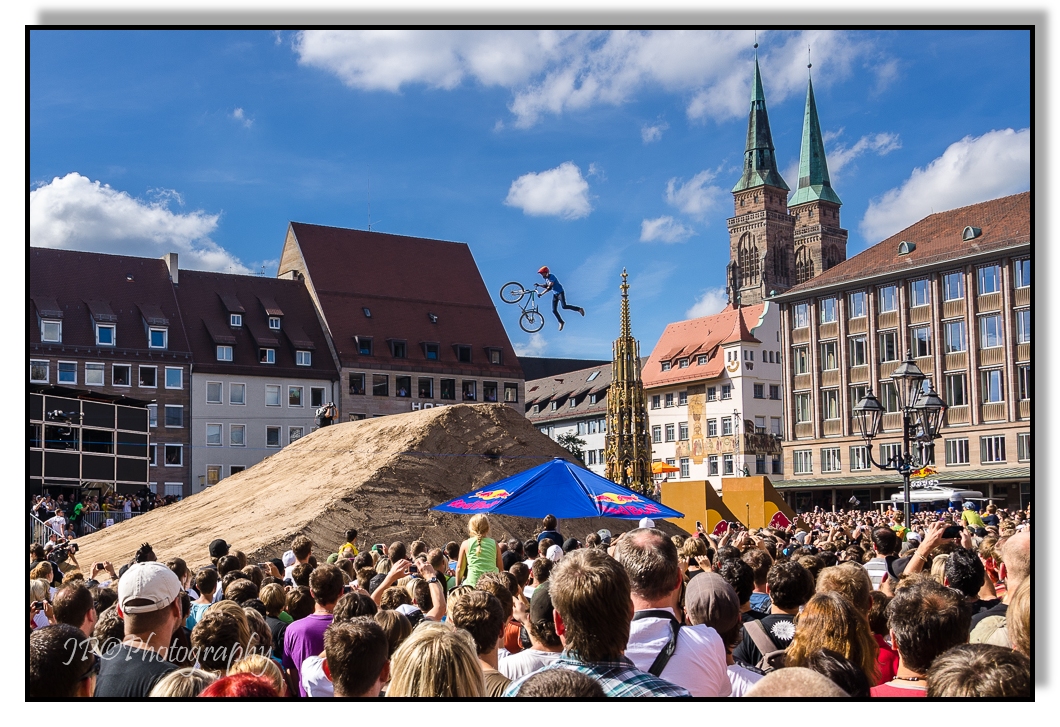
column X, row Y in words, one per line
column 754, row 500
column 698, row 501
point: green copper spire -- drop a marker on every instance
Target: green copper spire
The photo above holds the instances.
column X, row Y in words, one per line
column 813, row 167
column 759, row 160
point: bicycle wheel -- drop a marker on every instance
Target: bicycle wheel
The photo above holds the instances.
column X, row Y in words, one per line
column 512, row 292
column 531, row 321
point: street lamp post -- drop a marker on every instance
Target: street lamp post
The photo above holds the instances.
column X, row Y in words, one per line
column 921, row 421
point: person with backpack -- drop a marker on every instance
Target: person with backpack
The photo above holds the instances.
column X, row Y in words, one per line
column 790, row 587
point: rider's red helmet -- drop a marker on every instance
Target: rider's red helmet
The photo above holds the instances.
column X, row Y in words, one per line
column 543, row 270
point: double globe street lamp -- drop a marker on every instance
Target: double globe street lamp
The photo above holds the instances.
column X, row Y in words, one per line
column 922, row 412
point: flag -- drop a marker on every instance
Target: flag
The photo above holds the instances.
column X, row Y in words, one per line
column 779, row 520
column 720, row 529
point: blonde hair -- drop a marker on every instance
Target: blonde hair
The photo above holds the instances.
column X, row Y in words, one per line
column 436, row 661
column 830, row 621
column 938, row 568
column 478, row 527
column 183, row 683
column 38, row 590
column 1018, row 618
column 260, row 666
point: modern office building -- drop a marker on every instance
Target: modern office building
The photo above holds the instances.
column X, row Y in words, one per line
column 574, row 402
column 954, row 289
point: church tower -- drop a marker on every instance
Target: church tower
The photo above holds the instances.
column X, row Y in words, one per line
column 820, row 243
column 761, row 239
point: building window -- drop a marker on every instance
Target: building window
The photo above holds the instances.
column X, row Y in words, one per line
column 1023, row 446
column 712, row 465
column 448, row 387
column 889, row 397
column 668, row 400
column 272, row 436
column 495, row 356
column 919, row 293
column 224, row 353
column 830, row 460
column 38, row 371
column 294, row 396
column 774, row 392
column 469, row 392
column 857, row 393
column 157, row 338
column 590, row 456
column 712, row 427
column 272, row 395
column 801, row 358
column 682, row 431
column 1023, row 275
column 267, row 355
column 859, row 350
column 67, row 372
column 992, row 449
column 213, row 392
column 760, row 391
column 665, row 365
column 426, row 387
column 953, row 285
column 957, row 451
column 213, row 435
column 463, row 354
column 656, row 434
column 726, row 464
column 857, row 304
column 1023, row 377
column 760, row 464
column 803, row 459
column 174, row 454
column 726, row 426
column 511, row 394
column 380, row 385
column 303, row 358
column 859, row 458
column 1023, row 326
column 957, row 389
column 398, row 349
column 236, row 469
column 802, row 408
column 701, row 359
column 829, row 308
column 174, row 415
column 656, row 401
column 237, row 435
column 888, row 296
column 888, row 346
column 357, row 384
column 920, row 341
column 235, row 320
column 669, row 432
column 152, row 415
column 274, row 323
column 684, row 468
column 953, row 333
column 830, row 403
column 682, row 363
column 993, row 386
column 829, row 356
column 403, row 386
column 294, row 433
column 800, row 315
column 104, row 335
column 174, row 378
column 94, row 374
column 774, row 425
column 51, row 331
column 989, row 279
column 148, row 376
column 213, row 474
column 778, row 465
column 152, row 455
column 121, row 375
column 682, row 398
column 712, row 393
column 726, row 391
column 364, row 346
column 237, row 394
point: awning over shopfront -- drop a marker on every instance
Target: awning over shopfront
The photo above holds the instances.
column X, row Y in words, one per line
column 893, row 479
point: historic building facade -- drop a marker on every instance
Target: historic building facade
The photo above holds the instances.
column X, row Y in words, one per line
column 573, row 402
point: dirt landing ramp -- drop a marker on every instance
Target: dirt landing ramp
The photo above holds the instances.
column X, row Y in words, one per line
column 380, row 476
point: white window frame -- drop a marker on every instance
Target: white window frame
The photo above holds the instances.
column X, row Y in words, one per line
column 918, row 300
column 59, row 373
column 859, row 344
column 829, row 309
column 47, row 370
column 951, row 346
column 1023, row 446
column 860, row 308
column 800, row 315
column 303, row 358
column 684, row 465
column 48, row 321
column 235, row 320
column 957, row 452
column 682, row 431
column 728, row 465
column 232, row 429
column 829, row 395
column 232, row 386
column 96, row 366
column 712, row 427
column 179, row 370
column 656, row 434
column 1023, row 382
column 279, row 394
column 114, row 379
column 726, row 391
column 152, row 414
column 949, row 381
column 832, row 346
column 947, row 290
column 802, row 459
column 220, row 434
column 169, row 487
column 800, row 359
column 883, row 299
column 682, row 398
column 1023, row 333
column 726, row 426
column 1017, row 276
column 984, row 388
column 152, row 455
column 998, row 339
column 290, row 431
column 665, row 365
column 859, row 458
column 669, row 431
column 712, row 393
column 980, row 279
column 803, row 407
column 139, row 380
column 920, row 336
column 165, row 337
column 176, row 445
column 221, row 390
column 656, row 401
column 668, row 400
column 712, row 465
column 173, row 406
column 225, row 353
column 992, row 449
column 891, row 333
column 301, row 397
column 270, row 355
column 113, row 334
column 279, row 435
column 831, row 460
column 274, row 323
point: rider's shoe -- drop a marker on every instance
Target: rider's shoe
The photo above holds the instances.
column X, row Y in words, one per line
column 582, row 311
column 561, row 325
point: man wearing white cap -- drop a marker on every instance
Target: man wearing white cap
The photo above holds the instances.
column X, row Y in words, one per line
column 149, row 603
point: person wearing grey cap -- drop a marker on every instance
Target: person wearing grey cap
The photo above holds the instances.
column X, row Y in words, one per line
column 545, row 646
column 711, row 602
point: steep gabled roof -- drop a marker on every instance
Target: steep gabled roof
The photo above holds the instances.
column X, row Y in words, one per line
column 578, row 384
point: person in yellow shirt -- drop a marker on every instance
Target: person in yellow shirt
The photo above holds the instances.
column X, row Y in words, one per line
column 970, row 516
column 351, row 541
column 898, row 527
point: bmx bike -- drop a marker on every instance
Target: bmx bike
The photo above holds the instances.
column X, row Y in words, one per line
column 531, row 320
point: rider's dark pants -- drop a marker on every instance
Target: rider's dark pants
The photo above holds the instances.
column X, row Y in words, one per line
column 558, row 299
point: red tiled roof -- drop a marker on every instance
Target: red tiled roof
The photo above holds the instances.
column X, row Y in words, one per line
column 404, row 281
column 698, row 335
column 1004, row 222
column 561, row 388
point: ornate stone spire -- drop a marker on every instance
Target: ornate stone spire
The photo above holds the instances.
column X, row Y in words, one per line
column 628, row 445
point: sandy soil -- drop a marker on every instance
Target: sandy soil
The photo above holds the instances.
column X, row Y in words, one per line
column 380, row 476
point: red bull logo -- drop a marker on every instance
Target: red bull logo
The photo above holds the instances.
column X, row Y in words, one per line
column 491, row 494
column 611, row 503
column 925, row 471
column 616, row 499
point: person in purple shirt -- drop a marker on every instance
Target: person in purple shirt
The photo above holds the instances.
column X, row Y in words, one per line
column 305, row 638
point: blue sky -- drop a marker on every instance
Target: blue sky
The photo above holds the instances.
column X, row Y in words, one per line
column 583, row 151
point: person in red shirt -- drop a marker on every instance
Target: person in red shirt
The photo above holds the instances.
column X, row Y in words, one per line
column 886, row 657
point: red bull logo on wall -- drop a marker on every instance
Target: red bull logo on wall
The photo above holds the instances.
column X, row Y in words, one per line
column 611, row 503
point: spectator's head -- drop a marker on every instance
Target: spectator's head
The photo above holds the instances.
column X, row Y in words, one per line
column 500, row 586
column 219, row 640
column 300, row 574
column 302, row 547
column 418, row 546
column 180, row 570
column 394, row 597
column 436, row 661
column 650, row 561
column 790, row 585
column 478, row 526
column 591, row 596
column 398, row 551
column 925, row 620
column 261, row 665
column 357, row 654
column 481, row 615
column 396, row 626
column 738, row 575
column 1016, row 553
column 878, row 613
column 260, row 634
column 274, row 599
column 149, row 601
column 760, row 562
column 420, row 593
column 218, row 550
column 188, row 682
column 965, row 572
column 521, row 573
column 1018, row 618
column 830, row 621
column 241, row 685
column 795, row 681
column 61, row 663
column 561, row 683
column 850, row 581
column 693, row 548
column 299, row 602
column 711, row 601
column 353, row 605
column 73, row 605
column 254, row 573
column 542, row 622
column 325, row 583
column 351, row 535
column 109, row 628
column 36, row 552
column 813, row 563
column 227, row 564
column 980, row 670
column 846, row 675
column 42, row 571
column 206, row 581
column 541, row 570
column 530, row 548
column 241, row 590
column 884, row 541
column 549, row 522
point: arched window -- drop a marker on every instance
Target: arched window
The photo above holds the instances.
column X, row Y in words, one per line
column 747, row 259
column 803, row 266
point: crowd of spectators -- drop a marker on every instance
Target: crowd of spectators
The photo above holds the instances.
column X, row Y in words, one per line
column 839, row 604
column 70, row 518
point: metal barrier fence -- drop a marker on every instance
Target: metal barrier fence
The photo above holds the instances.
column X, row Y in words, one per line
column 38, row 531
column 97, row 519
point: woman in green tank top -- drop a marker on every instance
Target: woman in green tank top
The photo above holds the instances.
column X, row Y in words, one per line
column 478, row 554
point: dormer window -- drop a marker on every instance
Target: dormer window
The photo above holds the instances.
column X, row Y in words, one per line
column 235, row 320
column 274, row 323
column 303, row 358
column 430, row 351
column 494, row 356
column 51, row 331
column 398, row 349
column 665, row 365
column 267, row 355
column 701, row 359
column 104, row 335
column 157, row 337
column 682, row 363
column 463, row 353
column 364, row 345
column 367, row 312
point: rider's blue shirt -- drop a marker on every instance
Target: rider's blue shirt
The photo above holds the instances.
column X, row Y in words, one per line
column 556, row 287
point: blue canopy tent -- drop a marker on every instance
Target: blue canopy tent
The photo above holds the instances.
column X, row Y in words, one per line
column 560, row 488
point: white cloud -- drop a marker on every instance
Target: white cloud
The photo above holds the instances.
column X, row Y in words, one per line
column 535, row 345
column 596, row 171
column 653, row 133
column 75, row 213
column 664, row 229
column 560, row 192
column 241, row 116
column 694, row 197
column 552, row 72
column 711, row 301
column 840, row 155
column 974, row 169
